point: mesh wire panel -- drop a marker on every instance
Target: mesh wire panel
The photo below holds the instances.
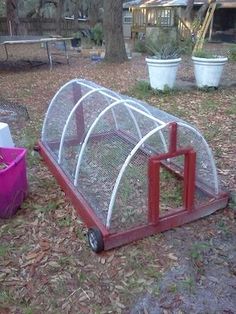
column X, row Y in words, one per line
column 103, row 159
column 131, row 203
column 100, row 167
column 96, row 133
column 158, row 143
column 58, row 112
column 91, row 107
column 205, row 167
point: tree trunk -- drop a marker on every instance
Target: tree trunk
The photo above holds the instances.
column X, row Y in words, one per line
column 59, row 16
column 94, row 11
column 12, row 17
column 113, row 31
column 188, row 14
column 201, row 12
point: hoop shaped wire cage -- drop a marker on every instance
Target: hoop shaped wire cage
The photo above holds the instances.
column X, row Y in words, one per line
column 130, row 169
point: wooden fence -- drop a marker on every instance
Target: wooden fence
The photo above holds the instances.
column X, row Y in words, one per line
column 39, row 26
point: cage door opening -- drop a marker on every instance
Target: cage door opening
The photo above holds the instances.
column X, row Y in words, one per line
column 171, row 188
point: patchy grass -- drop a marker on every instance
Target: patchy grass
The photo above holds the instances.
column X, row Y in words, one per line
column 142, row 90
column 231, row 111
column 6, row 298
column 188, row 284
column 51, row 206
column 232, row 53
column 45, row 262
column 4, row 249
column 197, row 255
column 209, row 105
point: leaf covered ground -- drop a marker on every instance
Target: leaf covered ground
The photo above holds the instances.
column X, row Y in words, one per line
column 46, row 265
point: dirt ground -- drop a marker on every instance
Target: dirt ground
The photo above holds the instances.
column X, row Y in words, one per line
column 46, row 265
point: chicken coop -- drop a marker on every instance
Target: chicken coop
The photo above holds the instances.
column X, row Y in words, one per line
column 130, row 170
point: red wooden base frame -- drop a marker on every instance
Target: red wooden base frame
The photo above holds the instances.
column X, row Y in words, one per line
column 156, row 223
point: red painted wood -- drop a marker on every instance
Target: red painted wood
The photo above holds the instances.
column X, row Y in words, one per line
column 79, row 113
column 174, row 218
column 191, row 156
column 85, row 212
column 173, row 137
column 153, row 191
column 165, row 223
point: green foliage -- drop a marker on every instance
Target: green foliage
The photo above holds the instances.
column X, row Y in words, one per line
column 28, row 310
column 197, row 255
column 4, row 250
column 231, row 110
column 140, row 46
column 232, row 53
column 65, row 221
column 77, row 35
column 2, row 8
column 204, row 54
column 223, row 227
column 86, row 43
column 171, row 189
column 50, row 206
column 142, row 89
column 188, row 284
column 6, row 297
column 97, row 34
column 197, row 250
column 163, row 47
column 186, row 46
column 209, row 105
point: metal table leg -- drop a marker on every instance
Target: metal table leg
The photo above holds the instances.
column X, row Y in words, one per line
column 49, row 55
column 66, row 52
column 6, row 51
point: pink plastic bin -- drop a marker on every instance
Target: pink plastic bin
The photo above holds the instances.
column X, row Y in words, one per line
column 13, row 180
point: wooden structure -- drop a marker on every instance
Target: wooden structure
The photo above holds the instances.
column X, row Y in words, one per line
column 159, row 14
column 205, row 26
column 44, row 26
column 169, row 15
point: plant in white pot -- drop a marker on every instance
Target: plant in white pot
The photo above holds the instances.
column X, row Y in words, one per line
column 208, row 68
column 163, row 62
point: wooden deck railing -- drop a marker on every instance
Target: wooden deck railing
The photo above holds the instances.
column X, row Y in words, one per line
column 41, row 26
column 183, row 30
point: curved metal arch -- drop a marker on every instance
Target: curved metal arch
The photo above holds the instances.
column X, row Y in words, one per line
column 92, row 91
column 113, row 112
column 122, row 170
column 84, row 83
column 74, row 109
column 216, row 185
column 122, row 101
column 161, row 134
column 50, row 105
column 147, row 114
column 147, row 111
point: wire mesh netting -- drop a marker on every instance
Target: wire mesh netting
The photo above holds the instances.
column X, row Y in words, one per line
column 103, row 141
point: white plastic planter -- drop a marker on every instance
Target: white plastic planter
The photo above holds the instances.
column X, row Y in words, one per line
column 5, row 136
column 208, row 71
column 162, row 73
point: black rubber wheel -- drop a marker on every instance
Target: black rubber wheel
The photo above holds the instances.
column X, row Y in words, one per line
column 95, row 240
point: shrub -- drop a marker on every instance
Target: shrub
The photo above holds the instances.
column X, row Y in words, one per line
column 140, row 46
column 186, row 46
column 232, row 53
column 204, row 54
column 163, row 47
column 97, row 34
